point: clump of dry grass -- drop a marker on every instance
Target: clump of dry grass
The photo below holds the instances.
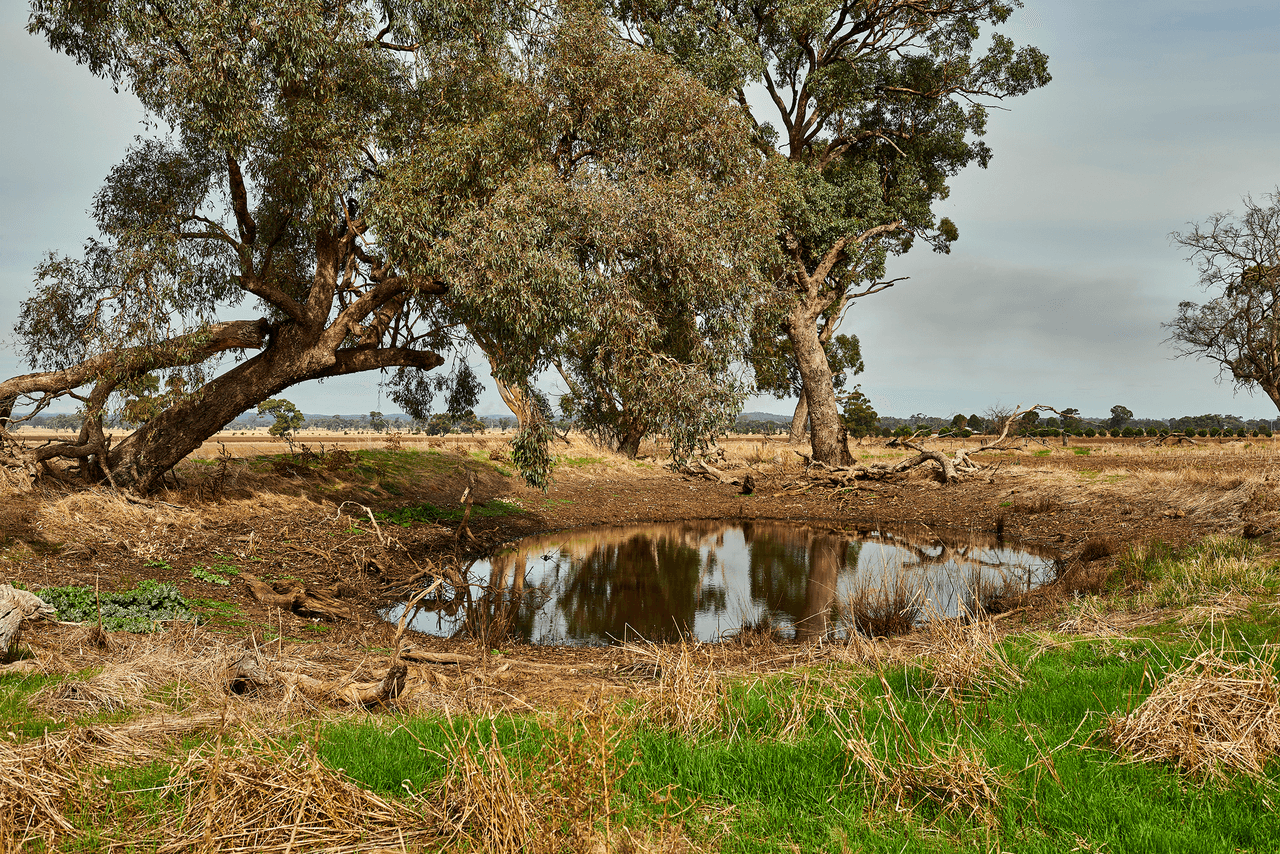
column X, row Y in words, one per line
column 278, row 800
column 1096, row 548
column 187, row 665
column 963, row 660
column 505, row 801
column 45, row 780
column 1207, row 718
column 1030, row 505
column 903, row 772
column 688, row 697
column 893, row 607
column 1085, row 617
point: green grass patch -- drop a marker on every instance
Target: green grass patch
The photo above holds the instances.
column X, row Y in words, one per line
column 141, row 609
column 17, row 720
column 578, row 462
column 1046, row 452
column 762, row 780
column 426, row 512
column 1082, row 452
column 1214, row 566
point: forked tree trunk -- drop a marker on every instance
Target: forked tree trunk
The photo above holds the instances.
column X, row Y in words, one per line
column 828, row 436
column 629, row 442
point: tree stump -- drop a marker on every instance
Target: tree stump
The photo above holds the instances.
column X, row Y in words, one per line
column 17, row 606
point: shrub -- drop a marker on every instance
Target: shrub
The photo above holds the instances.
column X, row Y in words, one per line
column 1115, row 433
column 1128, row 432
column 1242, row 433
column 1089, row 432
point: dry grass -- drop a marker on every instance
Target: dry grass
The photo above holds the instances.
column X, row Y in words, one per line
column 503, row 800
column 891, row 607
column 1207, row 718
column 279, row 800
column 902, row 772
column 688, row 697
column 46, row 780
column 962, row 660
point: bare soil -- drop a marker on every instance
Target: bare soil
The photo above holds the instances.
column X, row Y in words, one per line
column 292, row 519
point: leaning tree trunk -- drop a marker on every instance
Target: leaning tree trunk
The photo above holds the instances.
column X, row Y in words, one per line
column 294, row 355
column 829, row 439
column 799, row 421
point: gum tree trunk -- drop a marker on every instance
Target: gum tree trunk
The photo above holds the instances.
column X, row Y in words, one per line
column 799, row 421
column 828, row 436
column 295, row 355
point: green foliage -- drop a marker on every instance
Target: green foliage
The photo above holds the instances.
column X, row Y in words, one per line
column 137, row 610
column 288, row 418
column 1120, row 416
column 860, row 419
column 217, row 572
column 531, row 451
column 863, row 138
column 406, row 516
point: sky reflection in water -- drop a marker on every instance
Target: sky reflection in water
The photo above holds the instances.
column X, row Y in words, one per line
column 706, row 578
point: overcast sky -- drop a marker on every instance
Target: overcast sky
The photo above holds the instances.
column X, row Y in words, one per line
column 1160, row 113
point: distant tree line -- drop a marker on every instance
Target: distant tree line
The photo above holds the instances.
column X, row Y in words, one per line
column 860, row 420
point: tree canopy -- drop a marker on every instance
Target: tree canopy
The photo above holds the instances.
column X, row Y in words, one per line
column 873, row 106
column 376, row 184
column 1238, row 260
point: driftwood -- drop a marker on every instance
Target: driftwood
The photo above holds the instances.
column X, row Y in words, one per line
column 950, row 469
column 16, row 607
column 701, row 468
column 1173, row 439
column 352, row 693
column 299, row 599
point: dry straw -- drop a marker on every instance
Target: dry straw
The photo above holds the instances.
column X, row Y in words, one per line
column 688, row 698
column 1208, row 718
column 276, row 801
column 903, row 771
column 962, row 659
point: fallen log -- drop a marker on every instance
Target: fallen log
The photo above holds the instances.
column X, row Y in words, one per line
column 301, row 600
column 352, row 693
column 16, row 607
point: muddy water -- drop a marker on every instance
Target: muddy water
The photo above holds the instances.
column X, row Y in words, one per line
column 707, row 579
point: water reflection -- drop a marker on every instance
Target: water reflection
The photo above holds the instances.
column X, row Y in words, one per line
column 709, row 578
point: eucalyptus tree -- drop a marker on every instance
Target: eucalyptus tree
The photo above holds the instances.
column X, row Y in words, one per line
column 1238, row 259
column 778, row 373
column 871, row 106
column 367, row 181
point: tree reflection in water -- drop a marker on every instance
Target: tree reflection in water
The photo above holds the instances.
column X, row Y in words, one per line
column 707, row 578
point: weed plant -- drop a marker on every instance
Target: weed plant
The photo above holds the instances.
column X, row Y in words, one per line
column 141, row 609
